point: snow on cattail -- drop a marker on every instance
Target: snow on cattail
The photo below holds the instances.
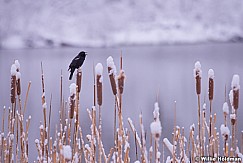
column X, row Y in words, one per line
column 13, row 83
column 121, row 79
column 72, row 99
column 79, row 79
column 156, row 111
column 210, row 83
column 235, row 85
column 99, row 81
column 224, row 131
column 16, row 63
column 233, row 118
column 226, row 108
column 112, row 74
column 168, row 145
column 67, row 152
column 198, row 75
column 156, row 129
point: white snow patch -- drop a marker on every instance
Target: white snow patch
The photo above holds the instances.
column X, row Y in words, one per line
column 111, row 64
column 99, row 69
column 231, row 97
column 197, row 70
column 224, row 130
column 72, row 88
column 44, row 106
column 156, row 128
column 67, row 152
column 16, row 62
column 232, row 116
column 168, row 145
column 235, row 84
column 156, row 111
column 18, row 75
column 37, row 141
column 13, row 70
column 226, row 108
column 210, row 73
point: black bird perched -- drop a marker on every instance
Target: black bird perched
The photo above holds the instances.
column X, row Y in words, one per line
column 76, row 63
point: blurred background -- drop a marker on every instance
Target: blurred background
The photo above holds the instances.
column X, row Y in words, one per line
column 51, row 23
column 160, row 42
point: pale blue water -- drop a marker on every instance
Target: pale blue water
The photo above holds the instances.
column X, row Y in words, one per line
column 148, row 69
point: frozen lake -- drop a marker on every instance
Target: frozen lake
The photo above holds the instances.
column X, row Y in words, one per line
column 148, row 69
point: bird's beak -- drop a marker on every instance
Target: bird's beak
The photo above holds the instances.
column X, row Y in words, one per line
column 86, row 53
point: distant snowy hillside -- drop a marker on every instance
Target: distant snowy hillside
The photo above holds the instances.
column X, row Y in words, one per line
column 27, row 23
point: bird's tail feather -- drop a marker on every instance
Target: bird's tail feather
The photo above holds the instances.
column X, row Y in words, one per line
column 71, row 75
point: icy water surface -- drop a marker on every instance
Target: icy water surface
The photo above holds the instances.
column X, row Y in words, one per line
column 150, row 70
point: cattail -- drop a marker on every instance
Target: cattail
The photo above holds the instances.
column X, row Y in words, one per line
column 112, row 74
column 233, row 118
column 13, row 83
column 18, row 76
column 121, row 78
column 225, row 132
column 99, row 81
column 235, row 85
column 79, row 79
column 210, row 84
column 72, row 99
column 198, row 75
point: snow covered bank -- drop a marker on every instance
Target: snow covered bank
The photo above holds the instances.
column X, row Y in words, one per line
column 113, row 23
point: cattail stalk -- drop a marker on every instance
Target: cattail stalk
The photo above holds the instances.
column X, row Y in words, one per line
column 197, row 75
column 99, row 81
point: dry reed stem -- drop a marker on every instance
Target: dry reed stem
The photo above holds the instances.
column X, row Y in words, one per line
column 199, row 116
column 49, row 127
column 26, row 98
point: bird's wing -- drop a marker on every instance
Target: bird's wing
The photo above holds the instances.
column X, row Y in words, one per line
column 74, row 62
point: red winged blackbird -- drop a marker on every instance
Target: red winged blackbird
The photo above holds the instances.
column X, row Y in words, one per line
column 76, row 63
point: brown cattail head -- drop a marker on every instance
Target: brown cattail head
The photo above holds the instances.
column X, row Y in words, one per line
column 18, row 83
column 235, row 85
column 236, row 99
column 210, row 84
column 112, row 74
column 99, row 81
column 121, row 78
column 211, row 88
column 99, row 89
column 79, row 79
column 13, row 89
column 72, row 99
column 13, row 83
column 197, row 75
column 233, row 118
column 72, row 106
column 112, row 81
column 198, row 85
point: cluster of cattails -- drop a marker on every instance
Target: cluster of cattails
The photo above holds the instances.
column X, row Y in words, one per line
column 69, row 144
column 14, row 145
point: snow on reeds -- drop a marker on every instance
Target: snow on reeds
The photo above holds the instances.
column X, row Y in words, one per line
column 70, row 145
